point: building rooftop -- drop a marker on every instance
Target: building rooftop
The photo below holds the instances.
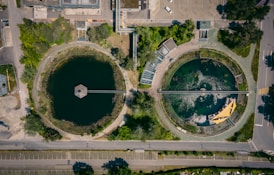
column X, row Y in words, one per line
column 41, row 2
column 81, row 3
column 64, row 3
column 203, row 25
column 3, row 85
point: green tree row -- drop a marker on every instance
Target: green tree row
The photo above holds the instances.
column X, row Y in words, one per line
column 33, row 124
column 36, row 39
column 119, row 166
column 149, row 38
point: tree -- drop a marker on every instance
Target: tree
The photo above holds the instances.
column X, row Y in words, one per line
column 82, row 168
column 117, row 166
column 245, row 10
column 97, row 34
column 33, row 125
column 268, row 108
column 240, row 35
column 149, row 38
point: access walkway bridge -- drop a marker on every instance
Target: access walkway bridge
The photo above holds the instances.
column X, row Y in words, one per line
column 106, row 91
column 202, row 92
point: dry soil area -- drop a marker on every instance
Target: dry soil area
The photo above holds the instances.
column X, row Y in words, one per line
column 120, row 41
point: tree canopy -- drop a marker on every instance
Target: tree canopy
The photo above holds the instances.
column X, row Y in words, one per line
column 36, row 40
column 149, row 38
column 82, row 168
column 142, row 123
column 33, row 125
column 245, row 10
column 117, row 166
column 240, row 35
column 99, row 33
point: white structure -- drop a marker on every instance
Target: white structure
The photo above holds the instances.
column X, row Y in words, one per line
column 40, row 12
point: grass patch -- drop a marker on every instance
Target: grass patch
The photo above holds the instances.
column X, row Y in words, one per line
column 255, row 62
column 245, row 133
column 18, row 3
column 144, row 86
column 8, row 69
column 1, row 43
column 242, row 51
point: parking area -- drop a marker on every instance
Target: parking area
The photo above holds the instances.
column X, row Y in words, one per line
column 77, row 155
column 187, row 9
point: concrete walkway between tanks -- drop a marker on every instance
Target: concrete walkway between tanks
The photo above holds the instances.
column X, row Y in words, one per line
column 51, row 54
column 212, row 43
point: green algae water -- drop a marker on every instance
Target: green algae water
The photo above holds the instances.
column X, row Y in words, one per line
column 197, row 75
column 93, row 74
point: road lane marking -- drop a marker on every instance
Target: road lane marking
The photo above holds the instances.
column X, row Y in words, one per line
column 263, row 55
column 265, row 78
column 261, row 25
column 259, row 125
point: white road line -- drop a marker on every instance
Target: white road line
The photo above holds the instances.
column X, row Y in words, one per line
column 261, row 25
column 263, row 55
column 265, row 78
column 259, row 125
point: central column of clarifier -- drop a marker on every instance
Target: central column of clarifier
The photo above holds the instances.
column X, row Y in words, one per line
column 80, row 91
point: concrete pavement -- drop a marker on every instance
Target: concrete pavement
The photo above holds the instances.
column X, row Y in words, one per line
column 135, row 164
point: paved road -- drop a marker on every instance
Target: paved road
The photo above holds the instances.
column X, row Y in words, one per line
column 263, row 130
column 124, row 145
column 134, row 164
column 16, row 17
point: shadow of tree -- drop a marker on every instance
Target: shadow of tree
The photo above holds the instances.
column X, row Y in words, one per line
column 267, row 109
column 220, row 9
column 269, row 61
column 117, row 166
column 82, row 168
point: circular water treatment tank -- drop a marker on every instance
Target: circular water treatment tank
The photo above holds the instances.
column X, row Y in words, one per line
column 81, row 108
column 199, row 75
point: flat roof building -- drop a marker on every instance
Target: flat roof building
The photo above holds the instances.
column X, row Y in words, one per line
column 64, row 3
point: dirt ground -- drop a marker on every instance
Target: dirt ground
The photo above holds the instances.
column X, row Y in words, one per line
column 129, row 3
column 133, row 78
column 10, row 122
column 120, row 41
